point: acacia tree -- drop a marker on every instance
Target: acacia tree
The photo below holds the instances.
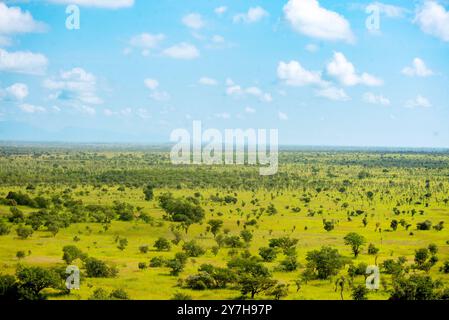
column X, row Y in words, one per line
column 356, row 242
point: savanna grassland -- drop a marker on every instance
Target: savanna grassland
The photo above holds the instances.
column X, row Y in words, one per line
column 140, row 228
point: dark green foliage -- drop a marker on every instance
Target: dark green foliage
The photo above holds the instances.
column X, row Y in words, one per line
column 268, row 254
column 96, row 268
column 71, row 253
column 360, row 292
column 414, row 287
column 355, row 241
column 4, row 228
column 162, row 244
column 192, row 249
column 325, row 262
column 24, row 232
column 181, row 210
column 425, row 225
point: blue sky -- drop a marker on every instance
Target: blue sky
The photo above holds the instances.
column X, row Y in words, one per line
column 136, row 70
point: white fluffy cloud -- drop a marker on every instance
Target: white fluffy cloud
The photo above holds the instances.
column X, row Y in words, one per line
column 418, row 68
column 208, row 81
column 294, row 74
column 185, row 51
column 433, row 19
column 254, row 14
column 29, row 108
column 372, row 98
column 18, row 91
column 418, row 102
column 344, row 71
column 237, row 91
column 156, row 94
column 309, row 18
column 332, row 93
column 74, row 85
column 22, row 62
column 146, row 40
column 105, row 4
column 193, row 21
column 14, row 20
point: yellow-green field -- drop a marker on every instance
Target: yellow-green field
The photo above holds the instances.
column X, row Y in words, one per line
column 390, row 187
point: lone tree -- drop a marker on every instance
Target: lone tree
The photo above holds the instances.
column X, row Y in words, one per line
column 162, row 244
column 324, row 263
column 356, row 242
column 215, row 226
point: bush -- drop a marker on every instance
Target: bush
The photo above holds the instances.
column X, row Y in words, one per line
column 23, row 232
column 99, row 294
column 96, row 268
column 71, row 253
column 267, row 254
column 426, row 225
column 142, row 265
column 143, row 249
column 4, row 228
column 192, row 249
column 200, row 281
column 372, row 249
column 119, row 294
column 289, row 264
column 157, row 262
column 360, row 292
column 181, row 296
column 162, row 244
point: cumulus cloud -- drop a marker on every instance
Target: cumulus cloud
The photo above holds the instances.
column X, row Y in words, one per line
column 253, row 15
column 105, row 4
column 29, row 108
column 18, row 91
column 309, row 18
column 193, row 21
column 23, row 62
column 75, row 85
column 184, row 51
column 294, row 74
column 418, row 68
column 237, row 91
column 332, row 93
column 418, row 102
column 372, row 98
column 344, row 71
column 433, row 19
column 146, row 42
column 14, row 20
column 156, row 94
column 208, row 81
